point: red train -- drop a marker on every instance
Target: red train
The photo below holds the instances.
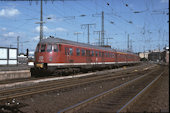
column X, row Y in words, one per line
column 54, row 54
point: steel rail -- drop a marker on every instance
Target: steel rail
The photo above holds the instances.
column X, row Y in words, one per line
column 56, row 83
column 95, row 98
column 99, row 72
column 131, row 102
column 70, row 80
column 19, row 94
column 53, row 88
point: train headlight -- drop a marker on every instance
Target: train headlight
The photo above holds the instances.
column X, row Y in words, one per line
column 39, row 65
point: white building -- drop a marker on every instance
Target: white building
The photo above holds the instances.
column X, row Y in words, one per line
column 144, row 55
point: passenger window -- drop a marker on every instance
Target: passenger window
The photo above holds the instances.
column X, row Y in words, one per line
column 96, row 53
column 49, row 48
column 92, row 53
column 78, row 51
column 105, row 54
column 100, row 54
column 43, row 47
column 83, row 52
column 71, row 51
column 55, row 48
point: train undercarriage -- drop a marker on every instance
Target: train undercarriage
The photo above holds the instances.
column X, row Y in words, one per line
column 64, row 70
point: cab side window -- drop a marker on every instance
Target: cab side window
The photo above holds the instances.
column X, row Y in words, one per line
column 43, row 48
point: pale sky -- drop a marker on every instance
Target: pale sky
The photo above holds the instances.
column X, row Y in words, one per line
column 146, row 22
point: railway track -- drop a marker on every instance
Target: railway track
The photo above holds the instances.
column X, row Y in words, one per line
column 119, row 98
column 50, row 76
column 64, row 84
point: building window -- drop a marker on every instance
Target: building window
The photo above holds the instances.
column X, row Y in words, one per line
column 83, row 52
column 43, row 47
column 78, row 51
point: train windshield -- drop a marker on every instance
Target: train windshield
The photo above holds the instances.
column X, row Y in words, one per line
column 49, row 48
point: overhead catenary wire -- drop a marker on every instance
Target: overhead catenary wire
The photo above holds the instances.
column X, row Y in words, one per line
column 112, row 21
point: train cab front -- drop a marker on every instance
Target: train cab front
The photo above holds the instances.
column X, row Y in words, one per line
column 45, row 53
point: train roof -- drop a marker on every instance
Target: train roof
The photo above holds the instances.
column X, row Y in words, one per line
column 53, row 40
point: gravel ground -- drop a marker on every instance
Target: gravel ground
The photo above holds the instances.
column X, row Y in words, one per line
column 114, row 101
column 54, row 101
column 157, row 99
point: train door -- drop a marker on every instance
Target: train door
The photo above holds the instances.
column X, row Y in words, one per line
column 103, row 61
column 126, row 59
column 88, row 56
column 67, row 53
column 96, row 56
column 116, row 57
column 71, row 55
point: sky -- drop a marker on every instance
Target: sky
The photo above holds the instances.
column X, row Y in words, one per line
column 145, row 21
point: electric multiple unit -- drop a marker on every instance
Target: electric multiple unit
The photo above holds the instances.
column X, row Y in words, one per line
column 60, row 53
